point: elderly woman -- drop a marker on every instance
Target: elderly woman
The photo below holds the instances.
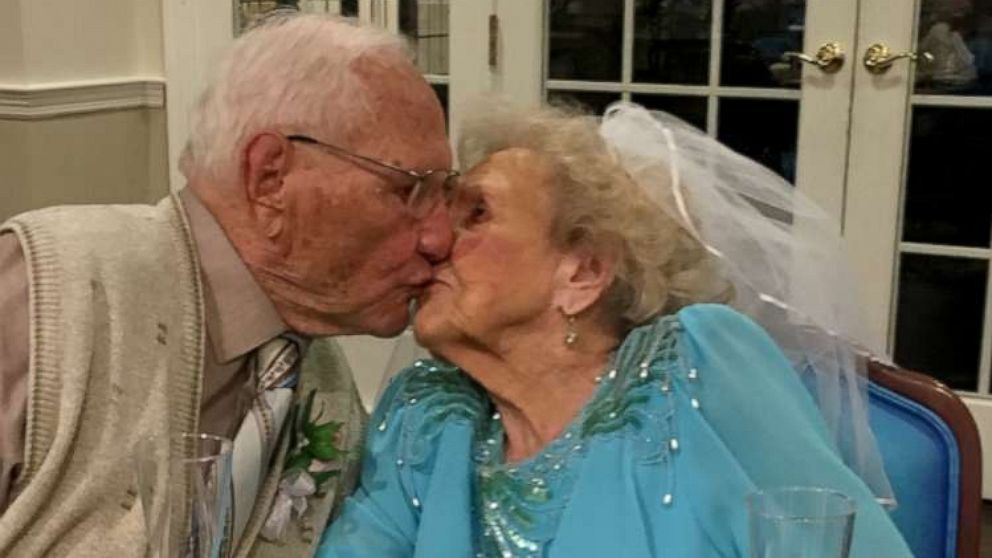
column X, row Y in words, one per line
column 589, row 398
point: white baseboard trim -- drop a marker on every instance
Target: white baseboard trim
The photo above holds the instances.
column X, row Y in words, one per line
column 53, row 100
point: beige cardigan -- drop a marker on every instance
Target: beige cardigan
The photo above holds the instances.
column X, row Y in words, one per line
column 117, row 345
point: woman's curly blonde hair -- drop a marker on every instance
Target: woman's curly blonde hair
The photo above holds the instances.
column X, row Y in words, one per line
column 659, row 266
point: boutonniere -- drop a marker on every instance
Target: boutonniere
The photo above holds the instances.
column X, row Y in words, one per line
column 314, row 458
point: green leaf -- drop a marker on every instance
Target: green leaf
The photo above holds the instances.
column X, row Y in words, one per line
column 300, row 461
column 321, row 478
column 326, row 431
column 321, row 438
column 324, row 450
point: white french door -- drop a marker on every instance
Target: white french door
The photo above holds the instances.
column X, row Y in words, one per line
column 719, row 65
column 918, row 207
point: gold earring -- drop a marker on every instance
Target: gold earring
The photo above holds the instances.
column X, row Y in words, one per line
column 571, row 334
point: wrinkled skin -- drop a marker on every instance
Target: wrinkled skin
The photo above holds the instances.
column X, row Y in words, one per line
column 329, row 240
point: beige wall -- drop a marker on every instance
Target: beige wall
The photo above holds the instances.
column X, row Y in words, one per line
column 11, row 43
column 92, row 40
column 149, row 42
column 106, row 157
column 111, row 156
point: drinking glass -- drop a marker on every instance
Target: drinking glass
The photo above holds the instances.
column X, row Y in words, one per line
column 800, row 522
column 185, row 491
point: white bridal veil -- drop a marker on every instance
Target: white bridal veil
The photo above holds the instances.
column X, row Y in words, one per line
column 782, row 253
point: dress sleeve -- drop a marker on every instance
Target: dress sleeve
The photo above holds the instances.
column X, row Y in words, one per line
column 379, row 519
column 754, row 405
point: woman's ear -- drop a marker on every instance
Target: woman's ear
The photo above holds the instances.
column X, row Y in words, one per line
column 582, row 278
column 266, row 162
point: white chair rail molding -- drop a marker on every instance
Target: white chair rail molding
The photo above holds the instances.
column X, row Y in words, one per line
column 58, row 99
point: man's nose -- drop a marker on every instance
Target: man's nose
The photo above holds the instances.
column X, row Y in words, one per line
column 436, row 235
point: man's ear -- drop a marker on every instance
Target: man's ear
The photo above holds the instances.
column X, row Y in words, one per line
column 266, row 163
column 582, row 278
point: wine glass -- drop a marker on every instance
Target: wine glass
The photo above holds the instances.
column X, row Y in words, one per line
column 185, row 490
column 800, row 522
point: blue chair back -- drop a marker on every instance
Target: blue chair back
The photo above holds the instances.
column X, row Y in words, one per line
column 929, row 444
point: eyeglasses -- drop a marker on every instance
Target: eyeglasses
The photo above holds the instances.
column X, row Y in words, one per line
column 421, row 191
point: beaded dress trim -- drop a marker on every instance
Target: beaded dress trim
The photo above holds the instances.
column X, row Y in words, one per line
column 518, row 505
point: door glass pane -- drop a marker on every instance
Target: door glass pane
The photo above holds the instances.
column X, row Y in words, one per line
column 764, row 130
column 690, row 109
column 948, row 200
column 939, row 317
column 346, row 8
column 249, row 12
column 589, row 101
column 755, row 35
column 585, row 39
column 958, row 34
column 670, row 45
column 425, row 23
column 349, row 8
column 672, row 41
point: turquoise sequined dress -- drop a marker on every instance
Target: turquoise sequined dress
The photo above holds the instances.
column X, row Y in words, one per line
column 694, row 412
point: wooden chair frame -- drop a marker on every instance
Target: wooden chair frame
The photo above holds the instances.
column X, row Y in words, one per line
column 943, row 402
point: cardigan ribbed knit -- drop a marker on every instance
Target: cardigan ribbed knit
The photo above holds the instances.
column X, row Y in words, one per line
column 116, row 355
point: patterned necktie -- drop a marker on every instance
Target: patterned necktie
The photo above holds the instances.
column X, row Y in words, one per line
column 274, row 369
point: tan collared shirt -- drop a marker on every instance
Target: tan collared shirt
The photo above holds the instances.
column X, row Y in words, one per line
column 239, row 319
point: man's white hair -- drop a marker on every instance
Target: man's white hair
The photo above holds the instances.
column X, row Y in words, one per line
column 290, row 74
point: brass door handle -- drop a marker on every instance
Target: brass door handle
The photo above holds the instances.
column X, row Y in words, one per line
column 829, row 57
column 878, row 58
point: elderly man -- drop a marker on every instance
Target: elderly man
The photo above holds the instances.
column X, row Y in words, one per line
column 315, row 206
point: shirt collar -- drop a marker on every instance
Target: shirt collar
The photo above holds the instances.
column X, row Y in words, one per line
column 240, row 317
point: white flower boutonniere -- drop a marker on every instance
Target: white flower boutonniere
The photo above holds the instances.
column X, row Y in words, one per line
column 314, row 458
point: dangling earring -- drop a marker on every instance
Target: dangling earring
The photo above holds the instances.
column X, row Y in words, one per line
column 571, row 334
